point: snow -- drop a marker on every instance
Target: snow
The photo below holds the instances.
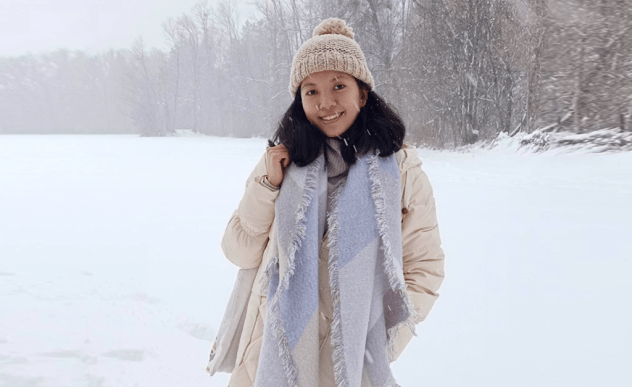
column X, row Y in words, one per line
column 111, row 273
column 603, row 140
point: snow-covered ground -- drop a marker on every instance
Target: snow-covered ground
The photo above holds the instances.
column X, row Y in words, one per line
column 111, row 272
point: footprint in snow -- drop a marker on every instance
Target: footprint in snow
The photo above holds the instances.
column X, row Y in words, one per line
column 13, row 360
column 71, row 355
column 63, row 354
column 126, row 354
column 199, row 331
column 142, row 297
column 15, row 380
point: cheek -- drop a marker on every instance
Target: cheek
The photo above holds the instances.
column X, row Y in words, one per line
column 353, row 102
column 310, row 111
column 353, row 106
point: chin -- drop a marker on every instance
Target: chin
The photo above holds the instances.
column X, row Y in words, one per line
column 333, row 133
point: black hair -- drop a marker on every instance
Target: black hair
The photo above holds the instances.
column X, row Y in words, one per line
column 377, row 127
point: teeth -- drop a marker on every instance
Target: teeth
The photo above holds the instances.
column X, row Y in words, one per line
column 329, row 118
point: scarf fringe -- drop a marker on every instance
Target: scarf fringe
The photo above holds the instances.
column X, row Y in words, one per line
column 278, row 329
column 340, row 367
column 396, row 285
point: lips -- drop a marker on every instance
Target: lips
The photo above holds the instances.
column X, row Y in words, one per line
column 332, row 117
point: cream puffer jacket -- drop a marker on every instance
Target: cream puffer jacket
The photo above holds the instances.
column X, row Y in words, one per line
column 251, row 227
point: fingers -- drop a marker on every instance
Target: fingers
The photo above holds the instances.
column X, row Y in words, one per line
column 285, row 161
column 276, row 149
column 279, row 154
column 278, row 158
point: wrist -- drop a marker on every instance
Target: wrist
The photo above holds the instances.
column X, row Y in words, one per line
column 266, row 182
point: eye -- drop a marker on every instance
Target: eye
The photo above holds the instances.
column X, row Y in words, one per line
column 339, row 87
column 310, row 92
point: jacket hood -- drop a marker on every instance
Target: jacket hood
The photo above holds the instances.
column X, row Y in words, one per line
column 407, row 158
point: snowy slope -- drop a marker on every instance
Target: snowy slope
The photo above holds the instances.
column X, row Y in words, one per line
column 111, row 272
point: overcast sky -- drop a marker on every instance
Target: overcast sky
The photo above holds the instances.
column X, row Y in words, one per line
column 91, row 25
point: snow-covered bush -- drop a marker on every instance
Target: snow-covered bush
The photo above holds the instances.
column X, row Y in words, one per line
column 603, row 140
column 611, row 139
column 537, row 140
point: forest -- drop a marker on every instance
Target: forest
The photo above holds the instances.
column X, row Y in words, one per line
column 457, row 71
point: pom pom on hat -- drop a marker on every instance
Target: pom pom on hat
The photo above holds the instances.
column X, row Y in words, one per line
column 332, row 47
column 334, row 26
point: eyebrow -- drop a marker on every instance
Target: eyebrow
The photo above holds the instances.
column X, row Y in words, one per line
column 334, row 79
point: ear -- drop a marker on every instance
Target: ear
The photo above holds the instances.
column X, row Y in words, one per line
column 364, row 95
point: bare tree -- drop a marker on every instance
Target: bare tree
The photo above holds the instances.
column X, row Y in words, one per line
column 192, row 36
column 142, row 92
column 176, row 39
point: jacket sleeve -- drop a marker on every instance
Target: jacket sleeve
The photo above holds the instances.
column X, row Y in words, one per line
column 423, row 257
column 246, row 235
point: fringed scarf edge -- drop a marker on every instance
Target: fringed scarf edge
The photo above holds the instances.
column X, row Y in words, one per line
column 295, row 243
column 377, row 192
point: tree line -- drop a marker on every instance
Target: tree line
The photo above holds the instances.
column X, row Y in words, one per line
column 458, row 71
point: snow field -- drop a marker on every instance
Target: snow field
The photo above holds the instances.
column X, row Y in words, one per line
column 111, row 273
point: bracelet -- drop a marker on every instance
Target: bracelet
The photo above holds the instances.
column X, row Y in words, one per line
column 269, row 185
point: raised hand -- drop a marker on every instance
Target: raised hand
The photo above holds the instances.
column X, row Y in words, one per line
column 277, row 159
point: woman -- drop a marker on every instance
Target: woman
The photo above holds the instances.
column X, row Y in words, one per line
column 338, row 221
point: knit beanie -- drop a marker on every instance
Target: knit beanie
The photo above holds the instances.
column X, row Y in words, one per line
column 332, row 47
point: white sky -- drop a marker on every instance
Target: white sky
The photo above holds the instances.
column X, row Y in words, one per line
column 91, row 25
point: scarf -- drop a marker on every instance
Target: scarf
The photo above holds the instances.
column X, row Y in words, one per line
column 369, row 296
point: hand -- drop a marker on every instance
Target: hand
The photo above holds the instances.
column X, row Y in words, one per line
column 277, row 159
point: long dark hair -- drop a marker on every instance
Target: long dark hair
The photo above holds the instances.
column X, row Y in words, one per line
column 377, row 127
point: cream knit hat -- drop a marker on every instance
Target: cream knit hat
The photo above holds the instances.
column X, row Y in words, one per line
column 332, row 47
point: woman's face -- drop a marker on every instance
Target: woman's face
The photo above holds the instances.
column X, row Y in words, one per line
column 332, row 101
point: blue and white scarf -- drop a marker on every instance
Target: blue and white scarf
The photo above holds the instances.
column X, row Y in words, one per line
column 370, row 302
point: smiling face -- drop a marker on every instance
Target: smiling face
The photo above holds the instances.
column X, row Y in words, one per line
column 332, row 101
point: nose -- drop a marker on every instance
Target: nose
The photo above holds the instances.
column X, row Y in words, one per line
column 327, row 101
